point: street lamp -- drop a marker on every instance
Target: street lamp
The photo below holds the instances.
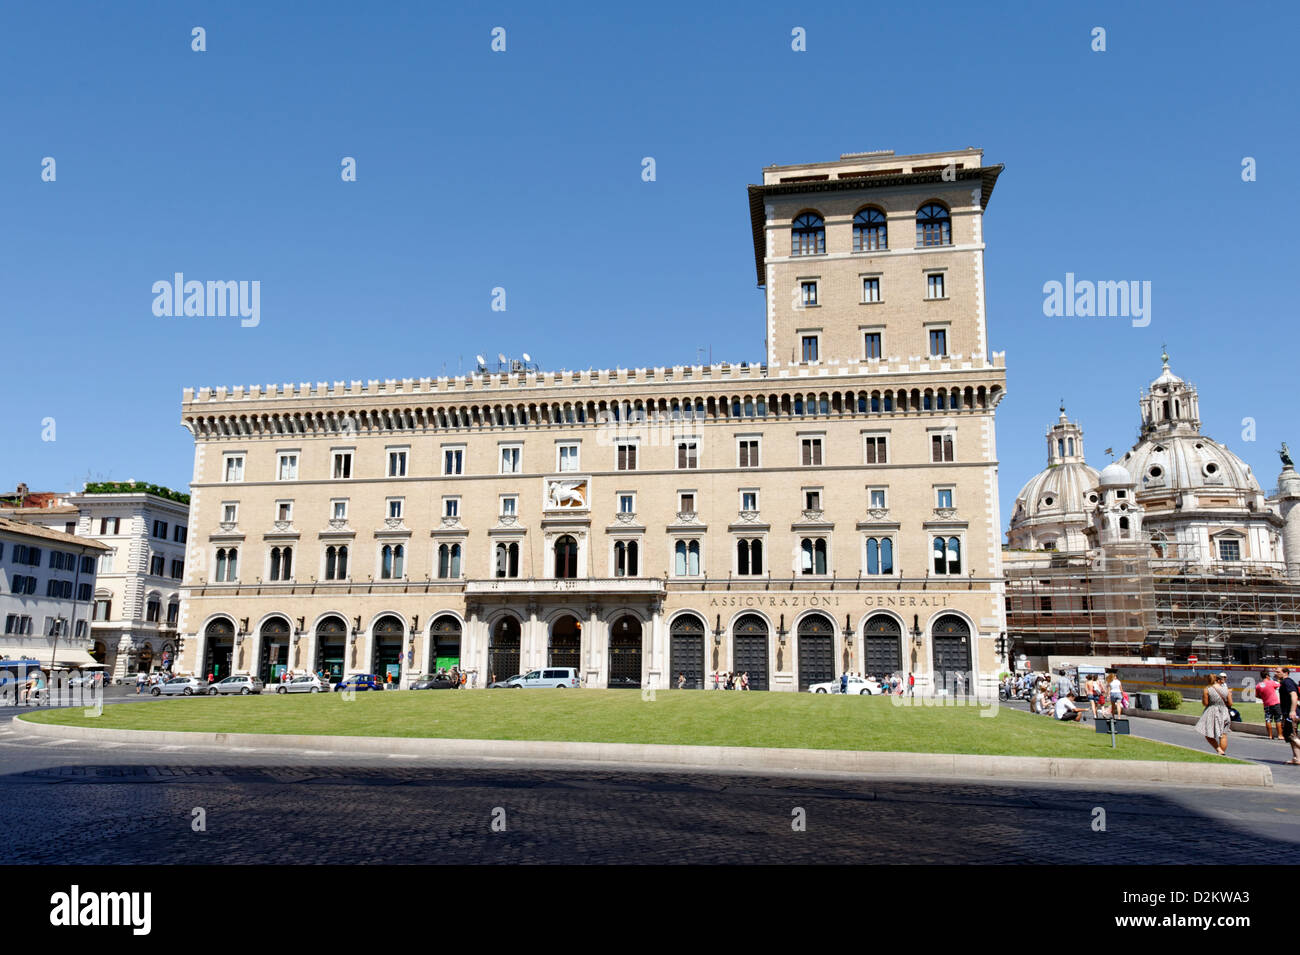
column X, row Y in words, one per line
column 916, row 629
column 848, row 630
column 781, row 631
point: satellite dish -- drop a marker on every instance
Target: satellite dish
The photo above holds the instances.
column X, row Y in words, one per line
column 501, row 358
column 527, row 357
column 480, row 359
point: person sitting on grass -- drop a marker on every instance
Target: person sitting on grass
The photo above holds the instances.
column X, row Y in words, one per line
column 1067, row 710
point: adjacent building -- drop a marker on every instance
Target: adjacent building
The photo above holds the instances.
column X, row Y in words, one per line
column 832, row 508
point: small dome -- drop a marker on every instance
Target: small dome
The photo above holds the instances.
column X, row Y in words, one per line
column 1115, row 475
column 1180, row 462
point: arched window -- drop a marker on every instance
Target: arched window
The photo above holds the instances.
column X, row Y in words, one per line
column 336, row 562
column 449, row 561
column 281, row 563
column 566, row 558
column 625, row 558
column 869, row 231
column 686, row 556
column 507, row 559
column 392, row 562
column 227, row 564
column 947, row 555
column 933, row 225
column 749, row 557
column 153, row 609
column 808, row 237
column 812, row 555
column 880, row 555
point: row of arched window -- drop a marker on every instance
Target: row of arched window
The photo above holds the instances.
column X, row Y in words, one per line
column 871, row 230
column 632, row 411
column 686, row 559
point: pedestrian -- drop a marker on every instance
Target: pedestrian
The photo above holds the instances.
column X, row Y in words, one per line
column 844, row 682
column 1093, row 688
column 1267, row 691
column 1215, row 720
column 139, row 683
column 1066, row 709
column 1116, row 695
column 1289, row 695
column 464, row 678
column 681, row 681
column 911, row 684
column 744, row 680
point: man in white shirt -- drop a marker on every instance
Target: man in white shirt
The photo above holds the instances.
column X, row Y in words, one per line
column 1067, row 711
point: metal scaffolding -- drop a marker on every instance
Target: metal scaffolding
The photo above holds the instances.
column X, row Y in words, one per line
column 1134, row 602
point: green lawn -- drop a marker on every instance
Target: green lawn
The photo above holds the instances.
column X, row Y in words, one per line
column 782, row 720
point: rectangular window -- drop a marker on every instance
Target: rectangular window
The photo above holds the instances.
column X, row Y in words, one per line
column 812, row 452
column 809, row 348
column 688, row 455
column 339, row 509
column 626, row 457
column 940, row 448
column 749, row 500
column 288, row 468
column 877, row 449
column 284, row 511
column 812, row 500
column 234, row 468
column 451, row 507
column 871, row 345
column 395, row 507
column 109, row 525
column 876, row 497
column 81, row 629
column 568, row 460
column 808, row 293
column 397, row 462
column 943, row 497
column 871, row 290
column 83, row 592
column 160, row 529
column 178, row 569
column 686, row 502
column 512, row 460
column 627, row 504
column 453, row 461
column 156, row 565
column 180, row 534
column 1229, row 550
column 509, row 506
column 934, row 285
column 938, row 343
column 747, row 450
column 229, row 513
column 173, row 613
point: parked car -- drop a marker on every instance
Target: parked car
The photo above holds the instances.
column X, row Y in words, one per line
column 433, row 682
column 510, row 682
column 551, row 678
column 181, row 686
column 242, row 685
column 359, row 681
column 858, row 686
column 303, row 684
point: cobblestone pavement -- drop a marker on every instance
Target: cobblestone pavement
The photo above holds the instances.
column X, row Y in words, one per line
column 120, row 804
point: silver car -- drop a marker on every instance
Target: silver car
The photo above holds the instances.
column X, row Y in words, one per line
column 181, row 686
column 243, row 685
column 302, row 684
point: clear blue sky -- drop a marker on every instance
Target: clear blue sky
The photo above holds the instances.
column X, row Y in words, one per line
column 522, row 170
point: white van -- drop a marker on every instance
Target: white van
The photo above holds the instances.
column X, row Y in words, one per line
column 558, row 677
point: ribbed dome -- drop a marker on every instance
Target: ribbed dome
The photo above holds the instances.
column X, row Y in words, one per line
column 1115, row 474
column 1054, row 492
column 1164, row 462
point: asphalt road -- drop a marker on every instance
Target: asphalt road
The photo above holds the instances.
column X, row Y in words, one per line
column 121, row 804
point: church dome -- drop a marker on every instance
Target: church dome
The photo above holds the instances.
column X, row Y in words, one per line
column 1115, row 475
column 1057, row 490
column 1182, row 462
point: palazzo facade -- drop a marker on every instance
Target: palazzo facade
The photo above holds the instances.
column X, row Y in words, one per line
column 833, row 508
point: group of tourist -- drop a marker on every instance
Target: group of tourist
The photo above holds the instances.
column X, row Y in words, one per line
column 1278, row 692
column 723, row 681
column 1058, row 697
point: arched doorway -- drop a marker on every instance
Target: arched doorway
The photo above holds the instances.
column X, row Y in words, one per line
column 219, row 649
column 445, row 637
column 275, row 649
column 749, row 649
column 144, row 659
column 99, row 652
column 331, row 646
column 625, row 653
column 952, row 653
column 566, row 643
column 503, row 650
column 388, row 631
column 686, row 651
column 816, row 651
column 882, row 646
column 566, row 557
